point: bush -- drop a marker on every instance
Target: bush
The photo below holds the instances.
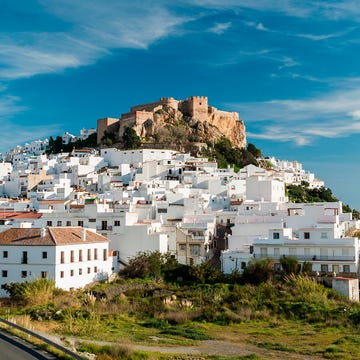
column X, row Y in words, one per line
column 36, row 292
column 258, row 271
column 290, row 264
column 151, row 265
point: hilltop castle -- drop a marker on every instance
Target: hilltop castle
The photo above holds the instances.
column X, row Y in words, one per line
column 142, row 117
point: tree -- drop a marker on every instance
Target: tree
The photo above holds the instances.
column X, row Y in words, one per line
column 251, row 148
column 130, row 139
column 205, row 273
column 290, row 265
column 258, row 271
column 152, row 265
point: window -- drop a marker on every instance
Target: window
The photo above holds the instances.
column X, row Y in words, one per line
column 80, row 223
column 324, row 267
column 71, row 272
column 59, row 223
column 182, row 247
column 80, row 255
column 195, row 250
column 5, row 254
column 324, row 235
column 117, row 223
column 44, row 254
column 95, row 254
column 24, row 259
column 49, row 223
column 92, row 220
column 88, row 270
column 68, row 223
column 95, row 269
column 104, row 225
column 72, row 256
column 306, row 235
column 80, row 271
column 346, row 268
column 43, row 274
column 276, row 235
column 104, row 254
column 24, row 274
column 89, row 254
column 263, row 252
column 61, row 274
column 243, row 265
column 62, row 257
column 4, row 273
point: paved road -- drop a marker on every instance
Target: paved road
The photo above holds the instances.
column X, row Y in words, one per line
column 13, row 348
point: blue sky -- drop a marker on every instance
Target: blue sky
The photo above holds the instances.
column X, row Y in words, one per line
column 290, row 68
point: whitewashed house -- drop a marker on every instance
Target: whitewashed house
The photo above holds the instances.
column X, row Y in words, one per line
column 317, row 246
column 72, row 256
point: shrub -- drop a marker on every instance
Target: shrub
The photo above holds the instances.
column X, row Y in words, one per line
column 290, row 264
column 258, row 271
column 36, row 292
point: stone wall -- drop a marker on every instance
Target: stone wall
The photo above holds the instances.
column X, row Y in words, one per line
column 108, row 125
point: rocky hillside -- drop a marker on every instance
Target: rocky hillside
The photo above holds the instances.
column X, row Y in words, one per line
column 181, row 124
column 172, row 126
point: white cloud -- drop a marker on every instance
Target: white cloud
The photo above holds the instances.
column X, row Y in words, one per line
column 261, row 27
column 96, row 28
column 11, row 106
column 345, row 9
column 220, row 28
column 332, row 115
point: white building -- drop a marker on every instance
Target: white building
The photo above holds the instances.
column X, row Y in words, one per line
column 73, row 257
column 316, row 246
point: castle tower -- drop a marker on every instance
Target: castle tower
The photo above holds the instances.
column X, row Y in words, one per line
column 197, row 107
column 106, row 124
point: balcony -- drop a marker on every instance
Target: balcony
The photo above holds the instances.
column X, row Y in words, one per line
column 104, row 228
column 309, row 258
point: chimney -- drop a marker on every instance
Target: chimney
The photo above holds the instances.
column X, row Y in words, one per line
column 42, row 232
column 83, row 234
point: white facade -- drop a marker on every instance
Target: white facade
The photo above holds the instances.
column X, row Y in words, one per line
column 73, row 257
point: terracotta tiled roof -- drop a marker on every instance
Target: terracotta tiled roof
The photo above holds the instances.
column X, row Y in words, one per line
column 53, row 201
column 20, row 215
column 53, row 236
column 72, row 235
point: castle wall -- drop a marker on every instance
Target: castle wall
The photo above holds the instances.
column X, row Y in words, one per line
column 106, row 124
column 151, row 106
column 196, row 107
column 135, row 120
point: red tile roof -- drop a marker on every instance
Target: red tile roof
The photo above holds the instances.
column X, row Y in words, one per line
column 53, row 236
column 53, row 202
column 19, row 215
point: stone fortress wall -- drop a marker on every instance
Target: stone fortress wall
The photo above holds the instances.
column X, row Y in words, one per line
column 195, row 107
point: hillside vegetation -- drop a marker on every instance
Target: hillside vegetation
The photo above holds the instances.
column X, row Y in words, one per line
column 288, row 313
column 304, row 194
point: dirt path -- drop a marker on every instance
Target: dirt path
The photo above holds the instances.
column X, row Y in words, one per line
column 195, row 352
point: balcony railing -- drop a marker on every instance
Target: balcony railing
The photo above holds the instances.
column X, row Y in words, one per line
column 309, row 258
